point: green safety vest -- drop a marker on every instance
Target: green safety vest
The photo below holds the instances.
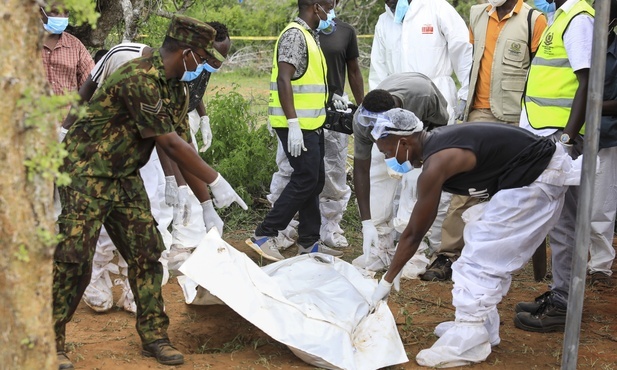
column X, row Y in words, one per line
column 552, row 84
column 310, row 90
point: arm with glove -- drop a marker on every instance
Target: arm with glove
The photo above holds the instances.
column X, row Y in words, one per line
column 200, row 189
column 204, row 127
column 190, row 163
column 295, row 138
column 424, row 212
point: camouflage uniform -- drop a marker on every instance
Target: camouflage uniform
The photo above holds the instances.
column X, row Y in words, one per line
column 105, row 151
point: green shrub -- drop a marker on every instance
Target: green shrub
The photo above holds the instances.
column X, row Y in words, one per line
column 242, row 150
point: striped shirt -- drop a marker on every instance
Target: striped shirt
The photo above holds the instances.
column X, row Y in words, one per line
column 68, row 65
column 115, row 57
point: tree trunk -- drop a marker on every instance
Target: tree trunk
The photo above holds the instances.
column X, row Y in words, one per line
column 26, row 334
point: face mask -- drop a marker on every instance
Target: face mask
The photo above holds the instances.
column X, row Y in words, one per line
column 395, row 169
column 189, row 76
column 496, row 3
column 400, row 11
column 328, row 26
column 209, row 68
column 545, row 7
column 55, row 25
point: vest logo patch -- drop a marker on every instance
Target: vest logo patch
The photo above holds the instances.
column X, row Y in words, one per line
column 427, row 29
column 152, row 109
column 548, row 40
column 482, row 194
column 515, row 48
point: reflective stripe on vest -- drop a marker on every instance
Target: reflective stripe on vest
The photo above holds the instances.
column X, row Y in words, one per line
column 552, row 84
column 309, row 90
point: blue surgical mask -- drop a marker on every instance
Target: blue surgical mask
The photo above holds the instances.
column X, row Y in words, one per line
column 545, row 7
column 397, row 170
column 55, row 25
column 400, row 11
column 209, row 68
column 189, row 76
column 328, row 26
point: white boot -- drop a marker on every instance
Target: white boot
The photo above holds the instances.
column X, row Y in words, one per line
column 98, row 295
column 491, row 324
column 127, row 299
column 464, row 343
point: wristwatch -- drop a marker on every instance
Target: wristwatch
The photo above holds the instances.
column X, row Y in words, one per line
column 565, row 139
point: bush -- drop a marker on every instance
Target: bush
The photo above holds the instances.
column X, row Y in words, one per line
column 242, row 150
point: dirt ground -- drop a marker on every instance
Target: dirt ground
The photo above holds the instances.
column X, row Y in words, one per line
column 215, row 337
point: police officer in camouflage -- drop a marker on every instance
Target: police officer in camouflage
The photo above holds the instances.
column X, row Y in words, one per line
column 144, row 102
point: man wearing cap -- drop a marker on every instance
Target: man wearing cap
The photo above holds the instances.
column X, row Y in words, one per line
column 525, row 178
column 142, row 104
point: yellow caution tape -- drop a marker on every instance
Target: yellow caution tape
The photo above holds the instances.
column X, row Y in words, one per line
column 273, row 38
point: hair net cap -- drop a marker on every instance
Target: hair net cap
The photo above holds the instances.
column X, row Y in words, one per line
column 396, row 121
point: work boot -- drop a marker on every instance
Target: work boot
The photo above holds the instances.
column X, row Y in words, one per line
column 63, row 361
column 600, row 279
column 266, row 247
column 440, row 270
column 319, row 247
column 533, row 307
column 548, row 318
column 163, row 351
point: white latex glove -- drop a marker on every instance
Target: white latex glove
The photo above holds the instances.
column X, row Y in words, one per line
column 295, row 140
column 62, row 134
column 459, row 112
column 211, row 218
column 369, row 237
column 224, row 194
column 340, row 102
column 396, row 283
column 171, row 191
column 381, row 293
column 182, row 211
column 206, row 133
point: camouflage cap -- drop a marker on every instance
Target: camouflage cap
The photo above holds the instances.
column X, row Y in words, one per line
column 191, row 31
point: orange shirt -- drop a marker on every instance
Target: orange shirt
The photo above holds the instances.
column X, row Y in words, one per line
column 494, row 27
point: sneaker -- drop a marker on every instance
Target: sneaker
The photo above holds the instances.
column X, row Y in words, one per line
column 63, row 361
column 548, row 318
column 266, row 247
column 440, row 270
column 163, row 351
column 600, row 279
column 319, row 247
column 532, row 307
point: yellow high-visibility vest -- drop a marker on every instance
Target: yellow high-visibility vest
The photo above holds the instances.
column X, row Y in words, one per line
column 310, row 90
column 551, row 83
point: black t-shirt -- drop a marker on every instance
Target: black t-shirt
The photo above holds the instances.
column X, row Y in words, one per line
column 506, row 156
column 339, row 47
column 197, row 89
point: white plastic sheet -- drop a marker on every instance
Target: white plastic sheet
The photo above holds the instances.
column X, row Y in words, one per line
column 315, row 304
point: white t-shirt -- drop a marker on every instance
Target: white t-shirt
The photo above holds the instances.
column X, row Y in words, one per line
column 577, row 41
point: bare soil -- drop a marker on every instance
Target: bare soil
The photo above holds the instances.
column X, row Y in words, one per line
column 215, row 337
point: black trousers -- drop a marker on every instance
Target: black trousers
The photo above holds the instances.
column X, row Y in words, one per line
column 301, row 195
